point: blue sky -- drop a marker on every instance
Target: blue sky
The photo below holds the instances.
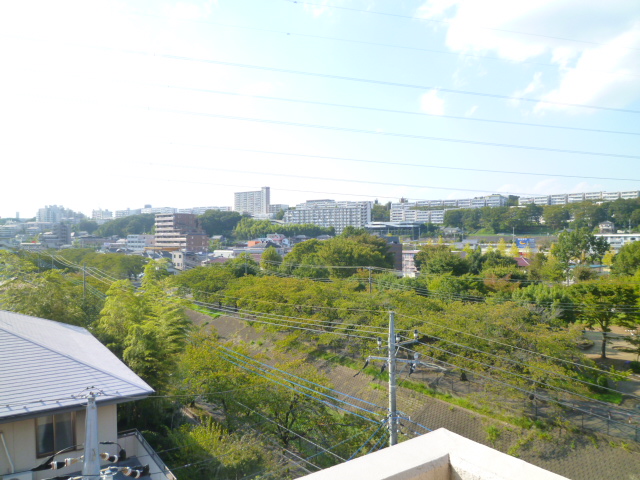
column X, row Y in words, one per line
column 116, row 104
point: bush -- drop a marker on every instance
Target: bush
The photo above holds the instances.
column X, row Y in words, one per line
column 634, row 366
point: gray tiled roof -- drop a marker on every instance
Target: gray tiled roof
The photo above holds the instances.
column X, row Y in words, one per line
column 47, row 365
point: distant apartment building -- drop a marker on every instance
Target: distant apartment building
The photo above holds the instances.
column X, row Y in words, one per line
column 276, row 207
column 432, row 211
column 201, row 210
column 180, row 231
column 253, row 203
column 619, row 240
column 59, row 235
column 57, row 213
column 138, row 243
column 156, row 210
column 101, row 216
column 567, row 198
column 128, row 212
column 329, row 213
column 10, row 229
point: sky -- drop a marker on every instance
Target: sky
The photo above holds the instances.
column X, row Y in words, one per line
column 108, row 104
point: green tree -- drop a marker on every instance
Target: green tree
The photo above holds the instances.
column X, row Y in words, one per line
column 51, row 295
column 243, row 265
column 556, row 216
column 146, row 329
column 579, row 247
column 360, row 250
column 271, row 259
column 604, row 303
column 627, row 261
column 131, row 225
column 215, row 222
column 438, row 259
column 204, row 283
column 380, row 213
column 85, row 225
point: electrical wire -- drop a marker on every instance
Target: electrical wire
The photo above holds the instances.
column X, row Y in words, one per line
column 369, row 43
column 347, row 78
column 396, row 163
column 450, row 22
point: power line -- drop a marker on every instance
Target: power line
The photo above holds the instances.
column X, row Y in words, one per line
column 352, row 79
column 415, row 165
column 364, row 42
column 451, row 22
column 402, row 112
column 391, row 134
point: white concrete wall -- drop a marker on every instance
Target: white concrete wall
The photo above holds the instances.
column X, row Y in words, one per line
column 439, row 455
column 20, row 437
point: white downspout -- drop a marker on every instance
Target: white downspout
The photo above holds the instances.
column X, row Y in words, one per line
column 6, row 450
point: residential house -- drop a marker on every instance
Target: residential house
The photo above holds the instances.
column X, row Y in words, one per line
column 48, row 371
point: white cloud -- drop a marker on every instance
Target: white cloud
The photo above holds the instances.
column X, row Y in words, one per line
column 431, row 103
column 606, row 75
column 594, row 48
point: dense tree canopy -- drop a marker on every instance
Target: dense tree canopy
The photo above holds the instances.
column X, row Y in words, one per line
column 249, row 228
column 353, row 248
column 131, row 225
column 627, row 260
column 116, row 265
column 579, row 247
column 216, row 222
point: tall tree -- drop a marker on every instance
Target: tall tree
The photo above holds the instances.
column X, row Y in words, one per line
column 270, row 259
column 603, row 303
column 579, row 247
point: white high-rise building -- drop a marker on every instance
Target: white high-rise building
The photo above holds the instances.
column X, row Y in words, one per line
column 253, row 203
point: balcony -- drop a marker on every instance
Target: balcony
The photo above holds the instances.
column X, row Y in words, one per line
column 139, row 452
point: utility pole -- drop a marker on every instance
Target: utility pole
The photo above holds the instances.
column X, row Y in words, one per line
column 369, row 279
column 91, row 467
column 393, row 413
column 393, row 344
column 84, row 283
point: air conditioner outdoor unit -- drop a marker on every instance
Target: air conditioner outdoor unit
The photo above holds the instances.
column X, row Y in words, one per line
column 19, row 476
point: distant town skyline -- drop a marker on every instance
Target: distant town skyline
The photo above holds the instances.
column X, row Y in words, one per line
column 445, row 203
column 183, row 103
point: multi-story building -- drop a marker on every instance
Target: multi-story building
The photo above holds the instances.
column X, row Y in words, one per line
column 180, row 231
column 59, row 235
column 276, row 207
column 558, row 199
column 156, row 210
column 128, row 212
column 101, row 216
column 57, row 213
column 566, row 198
column 253, row 203
column 619, row 240
column 201, row 210
column 138, row 243
column 418, row 211
column 329, row 213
